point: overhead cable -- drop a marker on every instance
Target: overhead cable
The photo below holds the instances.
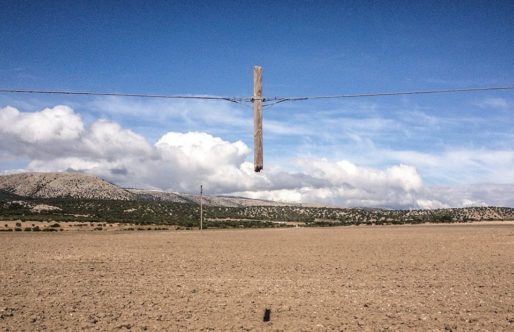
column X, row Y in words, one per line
column 269, row 101
column 120, row 94
column 382, row 94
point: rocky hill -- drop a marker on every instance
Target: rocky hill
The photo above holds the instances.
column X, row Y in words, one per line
column 62, row 185
column 83, row 186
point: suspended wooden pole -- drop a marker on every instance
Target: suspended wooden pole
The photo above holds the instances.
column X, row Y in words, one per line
column 257, row 119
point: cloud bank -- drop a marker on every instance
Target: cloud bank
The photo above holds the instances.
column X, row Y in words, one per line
column 58, row 139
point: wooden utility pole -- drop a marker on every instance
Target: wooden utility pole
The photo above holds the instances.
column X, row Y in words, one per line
column 257, row 119
column 201, row 207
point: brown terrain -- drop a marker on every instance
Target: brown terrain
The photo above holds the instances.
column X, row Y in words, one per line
column 423, row 277
column 74, row 226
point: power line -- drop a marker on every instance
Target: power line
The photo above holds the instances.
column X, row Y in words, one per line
column 120, row 94
column 268, row 101
column 382, row 94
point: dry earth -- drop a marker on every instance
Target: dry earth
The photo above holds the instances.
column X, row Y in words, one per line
column 425, row 277
column 74, row 226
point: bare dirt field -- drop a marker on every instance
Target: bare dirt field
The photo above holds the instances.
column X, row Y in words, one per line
column 74, row 226
column 425, row 277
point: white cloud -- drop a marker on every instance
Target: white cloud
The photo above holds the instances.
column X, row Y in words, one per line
column 51, row 124
column 342, row 183
column 109, row 140
column 345, row 173
column 57, row 139
column 203, row 149
column 460, row 165
column 39, row 134
column 431, row 204
column 496, row 103
column 63, row 164
column 475, row 195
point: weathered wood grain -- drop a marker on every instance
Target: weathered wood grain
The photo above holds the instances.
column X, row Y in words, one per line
column 257, row 119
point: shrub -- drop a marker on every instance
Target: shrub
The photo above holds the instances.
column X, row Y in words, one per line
column 27, row 229
column 56, row 225
column 17, row 229
column 18, row 224
column 36, row 229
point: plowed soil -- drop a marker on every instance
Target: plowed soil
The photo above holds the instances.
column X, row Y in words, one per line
column 425, row 277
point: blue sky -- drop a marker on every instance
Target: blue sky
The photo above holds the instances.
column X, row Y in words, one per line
column 306, row 48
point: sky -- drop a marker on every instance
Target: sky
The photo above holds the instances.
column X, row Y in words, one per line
column 415, row 151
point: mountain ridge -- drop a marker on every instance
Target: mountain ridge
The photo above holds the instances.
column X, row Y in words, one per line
column 61, row 185
column 84, row 186
column 82, row 197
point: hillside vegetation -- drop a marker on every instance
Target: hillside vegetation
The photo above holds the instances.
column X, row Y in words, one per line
column 78, row 197
column 187, row 214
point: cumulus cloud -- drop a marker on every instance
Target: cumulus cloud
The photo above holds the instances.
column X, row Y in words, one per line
column 203, row 150
column 39, row 133
column 51, row 124
column 109, row 140
column 341, row 183
column 57, row 139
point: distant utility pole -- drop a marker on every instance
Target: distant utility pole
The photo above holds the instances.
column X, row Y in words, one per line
column 257, row 119
column 201, row 207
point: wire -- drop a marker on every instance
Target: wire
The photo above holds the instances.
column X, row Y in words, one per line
column 381, row 94
column 267, row 102
column 116, row 94
column 274, row 102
